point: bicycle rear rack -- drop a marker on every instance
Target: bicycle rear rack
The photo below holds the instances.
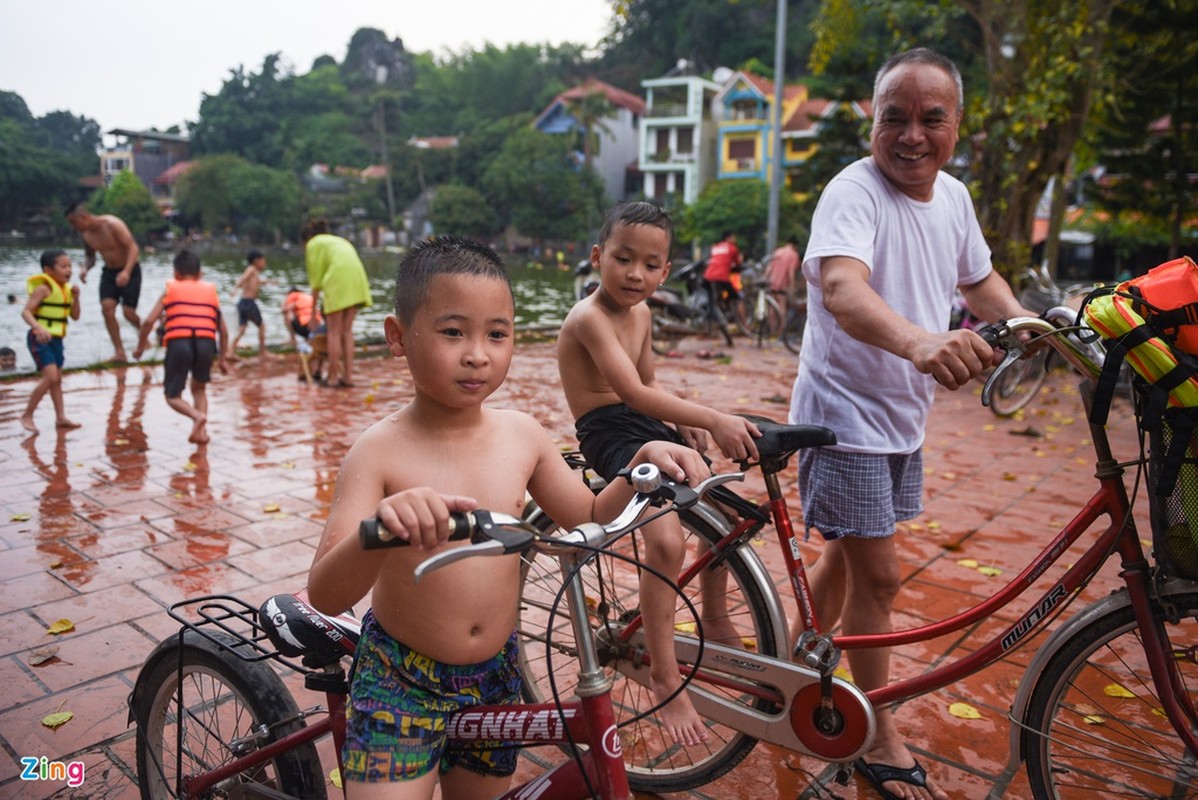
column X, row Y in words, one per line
column 236, row 619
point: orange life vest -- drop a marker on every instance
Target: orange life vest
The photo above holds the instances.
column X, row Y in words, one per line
column 55, row 311
column 192, row 309
column 301, row 304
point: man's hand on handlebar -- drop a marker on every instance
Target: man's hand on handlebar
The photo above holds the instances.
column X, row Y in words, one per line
column 954, row 358
column 420, row 516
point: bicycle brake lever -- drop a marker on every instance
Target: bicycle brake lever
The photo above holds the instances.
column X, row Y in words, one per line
column 999, row 336
column 686, row 496
column 494, row 535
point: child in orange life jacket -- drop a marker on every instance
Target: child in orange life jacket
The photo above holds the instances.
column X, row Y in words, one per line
column 52, row 304
column 191, row 309
column 302, row 318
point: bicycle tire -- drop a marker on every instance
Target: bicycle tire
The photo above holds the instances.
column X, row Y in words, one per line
column 792, row 331
column 1020, row 383
column 1085, row 739
column 769, row 325
column 653, row 764
column 664, row 333
column 227, row 699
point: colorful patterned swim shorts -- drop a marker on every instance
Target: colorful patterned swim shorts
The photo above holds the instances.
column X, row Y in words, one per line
column 399, row 701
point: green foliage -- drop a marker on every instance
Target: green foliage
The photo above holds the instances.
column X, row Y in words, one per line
column 541, row 189
column 740, row 206
column 462, row 210
column 128, row 198
column 227, row 192
column 842, row 139
column 203, row 193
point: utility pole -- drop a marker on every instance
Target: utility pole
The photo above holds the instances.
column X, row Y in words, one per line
column 776, row 172
column 380, row 77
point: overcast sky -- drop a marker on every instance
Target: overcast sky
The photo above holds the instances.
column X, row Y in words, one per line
column 138, row 64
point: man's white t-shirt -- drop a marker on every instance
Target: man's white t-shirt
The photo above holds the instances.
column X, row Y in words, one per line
column 917, row 254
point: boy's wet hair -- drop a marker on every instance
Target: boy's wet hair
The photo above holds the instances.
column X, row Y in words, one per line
column 637, row 212
column 187, row 263
column 50, row 257
column 253, row 256
column 442, row 255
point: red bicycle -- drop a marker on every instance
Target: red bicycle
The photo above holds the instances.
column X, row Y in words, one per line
column 215, row 720
column 1107, row 705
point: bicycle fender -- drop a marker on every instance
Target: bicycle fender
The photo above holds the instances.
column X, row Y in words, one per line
column 1112, row 602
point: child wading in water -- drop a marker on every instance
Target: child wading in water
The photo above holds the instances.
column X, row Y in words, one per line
column 250, row 284
column 52, row 305
column 449, row 642
column 192, row 324
column 605, row 358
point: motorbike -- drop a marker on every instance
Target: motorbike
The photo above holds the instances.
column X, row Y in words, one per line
column 687, row 312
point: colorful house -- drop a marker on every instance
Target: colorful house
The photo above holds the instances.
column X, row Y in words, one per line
column 744, row 106
column 678, row 136
column 148, row 155
column 614, row 158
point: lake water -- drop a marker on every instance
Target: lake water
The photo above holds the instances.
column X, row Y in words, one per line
column 543, row 296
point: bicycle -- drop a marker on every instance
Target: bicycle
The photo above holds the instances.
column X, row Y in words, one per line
column 1076, row 737
column 214, row 719
column 758, row 313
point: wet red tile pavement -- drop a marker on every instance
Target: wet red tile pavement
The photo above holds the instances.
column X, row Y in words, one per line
column 107, row 524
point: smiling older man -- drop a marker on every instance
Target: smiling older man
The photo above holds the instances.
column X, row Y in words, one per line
column 892, row 238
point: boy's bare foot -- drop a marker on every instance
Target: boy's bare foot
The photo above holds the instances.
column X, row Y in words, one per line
column 66, row 423
column 27, row 423
column 721, row 631
column 681, row 720
column 199, row 430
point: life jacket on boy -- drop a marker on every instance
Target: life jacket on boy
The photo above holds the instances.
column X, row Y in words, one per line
column 54, row 313
column 303, row 307
column 192, row 309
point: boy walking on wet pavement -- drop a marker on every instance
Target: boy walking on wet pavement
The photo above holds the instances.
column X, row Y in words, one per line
column 250, row 284
column 194, row 329
column 448, row 643
column 121, row 279
column 52, row 304
column 605, row 359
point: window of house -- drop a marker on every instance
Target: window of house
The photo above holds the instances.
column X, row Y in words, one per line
column 686, row 140
column 663, row 141
column 741, row 149
column 660, row 184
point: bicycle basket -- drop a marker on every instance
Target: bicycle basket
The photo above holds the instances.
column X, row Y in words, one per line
column 1173, row 492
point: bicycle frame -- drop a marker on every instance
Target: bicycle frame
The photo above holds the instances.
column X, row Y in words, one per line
column 1120, row 535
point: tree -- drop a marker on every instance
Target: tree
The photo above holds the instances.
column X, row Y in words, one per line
column 740, row 206
column 204, row 192
column 263, row 202
column 246, row 116
column 535, row 179
column 128, row 198
column 462, row 210
column 1153, row 52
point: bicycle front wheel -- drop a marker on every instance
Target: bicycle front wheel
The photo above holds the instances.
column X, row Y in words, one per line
column 654, row 763
column 1020, row 383
column 230, row 708
column 1096, row 728
column 792, row 331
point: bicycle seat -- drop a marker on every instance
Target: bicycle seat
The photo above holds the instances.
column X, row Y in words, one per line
column 778, row 442
column 297, row 629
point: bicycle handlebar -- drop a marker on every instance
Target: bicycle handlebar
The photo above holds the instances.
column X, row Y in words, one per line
column 1054, row 329
column 495, row 534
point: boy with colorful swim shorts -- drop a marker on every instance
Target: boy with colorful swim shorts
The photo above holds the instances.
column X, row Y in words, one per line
column 605, row 359
column 52, row 304
column 195, row 336
column 448, row 643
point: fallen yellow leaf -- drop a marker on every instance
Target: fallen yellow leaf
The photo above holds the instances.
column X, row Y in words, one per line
column 57, row 719
column 21, row 517
column 189, row 467
column 270, row 508
column 1094, row 719
column 990, row 572
column 968, row 563
column 1115, row 690
column 964, row 711
column 843, row 674
column 61, row 626
column 933, row 525
column 335, row 777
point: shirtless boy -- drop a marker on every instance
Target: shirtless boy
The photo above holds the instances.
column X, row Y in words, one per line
column 454, row 323
column 605, row 359
column 250, row 284
column 121, row 278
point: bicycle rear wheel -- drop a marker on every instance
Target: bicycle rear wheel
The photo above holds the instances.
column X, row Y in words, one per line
column 232, row 707
column 653, row 762
column 759, row 316
column 792, row 331
column 1095, row 727
column 1020, row 383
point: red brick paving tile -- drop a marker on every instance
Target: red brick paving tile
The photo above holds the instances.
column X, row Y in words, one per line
column 279, row 530
column 128, row 513
column 117, row 540
column 89, row 654
column 102, row 780
column 171, row 587
column 20, row 631
column 103, row 573
column 18, row 592
column 195, row 548
column 156, row 625
column 277, row 563
column 21, row 682
column 199, row 520
column 100, row 714
column 27, row 560
column 104, row 607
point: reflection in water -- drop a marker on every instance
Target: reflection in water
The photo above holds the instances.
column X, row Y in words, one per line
column 125, row 442
column 56, row 510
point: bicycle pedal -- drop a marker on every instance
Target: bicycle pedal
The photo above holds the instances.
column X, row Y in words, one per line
column 844, row 774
